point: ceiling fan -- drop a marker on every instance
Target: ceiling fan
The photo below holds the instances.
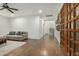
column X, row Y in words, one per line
column 6, row 6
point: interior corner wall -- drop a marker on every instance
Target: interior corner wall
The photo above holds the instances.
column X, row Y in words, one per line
column 57, row 34
column 4, row 25
column 28, row 24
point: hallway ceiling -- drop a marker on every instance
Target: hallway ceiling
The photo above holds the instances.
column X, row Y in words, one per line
column 32, row 9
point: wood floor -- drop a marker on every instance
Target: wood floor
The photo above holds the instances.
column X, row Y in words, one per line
column 43, row 47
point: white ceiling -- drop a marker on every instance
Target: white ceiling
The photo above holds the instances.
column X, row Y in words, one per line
column 32, row 9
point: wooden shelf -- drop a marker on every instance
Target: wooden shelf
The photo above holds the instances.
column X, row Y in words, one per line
column 72, row 30
column 73, row 19
column 68, row 18
column 76, row 5
column 77, row 53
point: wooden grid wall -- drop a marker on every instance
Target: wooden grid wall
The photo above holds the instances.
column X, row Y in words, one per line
column 69, row 23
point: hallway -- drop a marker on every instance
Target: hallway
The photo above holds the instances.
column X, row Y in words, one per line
column 43, row 47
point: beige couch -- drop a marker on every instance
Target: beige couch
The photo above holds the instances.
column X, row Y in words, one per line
column 17, row 35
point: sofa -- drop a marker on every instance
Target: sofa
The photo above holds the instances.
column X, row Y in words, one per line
column 17, row 35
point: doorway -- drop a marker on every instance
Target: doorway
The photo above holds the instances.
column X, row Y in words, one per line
column 48, row 29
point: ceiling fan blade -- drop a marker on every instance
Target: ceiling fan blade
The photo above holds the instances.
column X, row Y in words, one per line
column 5, row 5
column 2, row 8
column 13, row 9
column 10, row 11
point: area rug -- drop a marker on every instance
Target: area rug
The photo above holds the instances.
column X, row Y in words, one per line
column 9, row 46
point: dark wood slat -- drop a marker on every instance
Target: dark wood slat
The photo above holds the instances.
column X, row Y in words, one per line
column 68, row 17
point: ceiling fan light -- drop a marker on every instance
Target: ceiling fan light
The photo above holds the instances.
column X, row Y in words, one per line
column 40, row 11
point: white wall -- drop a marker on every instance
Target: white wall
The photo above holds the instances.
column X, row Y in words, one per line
column 4, row 25
column 41, row 31
column 29, row 24
column 57, row 34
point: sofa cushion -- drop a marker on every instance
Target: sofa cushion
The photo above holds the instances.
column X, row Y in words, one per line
column 12, row 33
column 19, row 33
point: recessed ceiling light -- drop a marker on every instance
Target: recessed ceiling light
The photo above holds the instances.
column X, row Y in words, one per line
column 40, row 11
